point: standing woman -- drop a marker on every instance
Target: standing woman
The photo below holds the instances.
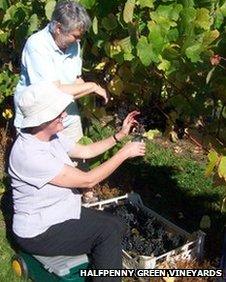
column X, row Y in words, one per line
column 53, row 55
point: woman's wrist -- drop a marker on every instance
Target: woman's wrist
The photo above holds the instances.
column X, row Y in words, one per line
column 118, row 136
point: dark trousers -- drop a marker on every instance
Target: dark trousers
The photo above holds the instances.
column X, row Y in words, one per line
column 96, row 233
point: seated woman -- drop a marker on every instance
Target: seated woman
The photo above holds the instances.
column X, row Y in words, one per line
column 49, row 219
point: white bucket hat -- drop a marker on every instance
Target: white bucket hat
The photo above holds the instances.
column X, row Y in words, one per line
column 41, row 103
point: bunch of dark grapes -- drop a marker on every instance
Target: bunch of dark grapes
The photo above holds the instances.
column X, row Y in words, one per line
column 145, row 235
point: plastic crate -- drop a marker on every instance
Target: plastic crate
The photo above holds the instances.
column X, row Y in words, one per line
column 193, row 248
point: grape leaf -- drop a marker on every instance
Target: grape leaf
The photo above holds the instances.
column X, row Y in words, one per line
column 88, row 4
column 49, row 7
column 4, row 5
column 213, row 160
column 223, row 9
column 146, row 3
column 143, row 51
column 205, row 222
column 128, row 11
column 33, row 21
column 203, row 19
column 95, row 25
column 222, row 168
column 109, row 23
column 193, row 52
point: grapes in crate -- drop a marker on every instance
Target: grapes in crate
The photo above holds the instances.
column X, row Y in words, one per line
column 145, row 235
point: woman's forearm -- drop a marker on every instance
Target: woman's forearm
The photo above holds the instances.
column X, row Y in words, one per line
column 78, row 90
column 101, row 172
column 95, row 149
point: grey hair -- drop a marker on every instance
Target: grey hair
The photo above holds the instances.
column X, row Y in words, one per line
column 70, row 15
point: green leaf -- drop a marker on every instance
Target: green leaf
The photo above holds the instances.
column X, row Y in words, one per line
column 205, row 222
column 146, row 3
column 209, row 37
column 223, row 9
column 85, row 140
column 3, row 36
column 156, row 37
column 219, row 19
column 193, row 52
column 203, row 19
column 88, row 4
column 4, row 4
column 224, row 113
column 109, row 23
column 143, row 51
column 49, row 7
column 209, row 75
column 173, row 34
column 164, row 65
column 213, row 160
column 33, row 24
column 95, row 25
column 222, row 168
column 223, row 206
column 128, row 11
column 15, row 14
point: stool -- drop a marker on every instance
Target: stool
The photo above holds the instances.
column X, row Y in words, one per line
column 50, row 269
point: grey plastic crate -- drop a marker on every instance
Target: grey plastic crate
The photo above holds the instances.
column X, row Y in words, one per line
column 193, row 248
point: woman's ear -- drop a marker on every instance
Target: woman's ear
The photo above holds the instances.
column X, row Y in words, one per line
column 58, row 29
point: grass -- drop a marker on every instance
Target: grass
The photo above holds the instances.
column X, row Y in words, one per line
column 172, row 185
column 6, row 254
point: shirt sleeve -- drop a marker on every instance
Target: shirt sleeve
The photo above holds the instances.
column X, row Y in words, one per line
column 39, row 66
column 41, row 170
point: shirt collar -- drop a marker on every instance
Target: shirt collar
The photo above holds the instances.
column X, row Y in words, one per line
column 69, row 50
column 29, row 137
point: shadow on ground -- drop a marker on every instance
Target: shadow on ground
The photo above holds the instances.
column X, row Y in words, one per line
column 160, row 192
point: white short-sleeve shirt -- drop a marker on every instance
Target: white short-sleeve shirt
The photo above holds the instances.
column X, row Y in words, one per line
column 42, row 60
column 37, row 203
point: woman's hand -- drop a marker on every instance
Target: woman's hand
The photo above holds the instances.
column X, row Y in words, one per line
column 101, row 92
column 128, row 123
column 133, row 149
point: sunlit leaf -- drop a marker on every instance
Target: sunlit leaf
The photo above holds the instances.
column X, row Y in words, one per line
column 95, row 25
column 222, row 168
column 143, row 51
column 209, row 75
column 88, row 4
column 164, row 65
column 193, row 52
column 156, row 37
column 34, row 22
column 3, row 36
column 223, row 9
column 213, row 160
column 219, row 18
column 128, row 11
column 223, row 205
column 115, row 86
column 49, row 7
column 203, row 18
column 146, row 3
column 209, row 37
